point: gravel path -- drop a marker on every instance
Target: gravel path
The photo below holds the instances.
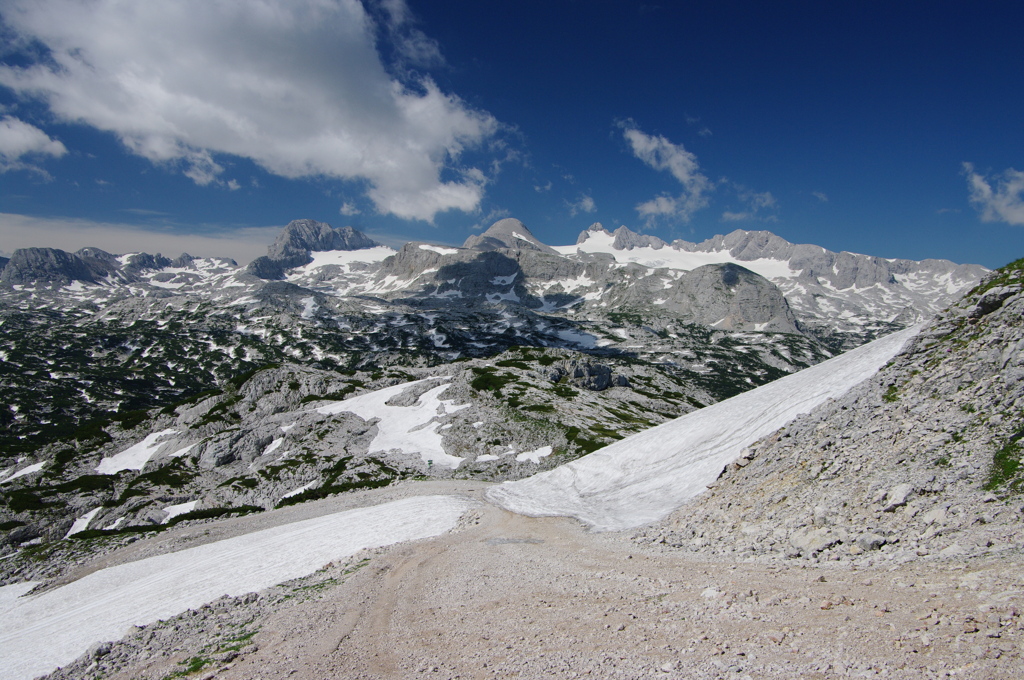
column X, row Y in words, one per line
column 512, row 596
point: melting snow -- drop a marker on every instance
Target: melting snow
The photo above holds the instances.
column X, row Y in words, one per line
column 272, row 446
column 438, row 249
column 296, row 492
column 179, row 509
column 408, row 429
column 135, row 457
column 35, row 467
column 35, row 636
column 309, row 307
column 645, row 477
column 82, row 523
column 534, row 456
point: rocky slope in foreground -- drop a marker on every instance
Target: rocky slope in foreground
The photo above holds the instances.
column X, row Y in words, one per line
column 921, row 462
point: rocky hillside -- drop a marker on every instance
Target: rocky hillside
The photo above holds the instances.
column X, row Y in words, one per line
column 921, row 462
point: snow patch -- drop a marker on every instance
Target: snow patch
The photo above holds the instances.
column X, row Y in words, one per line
column 406, row 429
column 438, row 249
column 35, row 635
column 134, row 457
column 179, row 509
column 643, row 478
column 82, row 523
column 534, row 456
column 36, row 467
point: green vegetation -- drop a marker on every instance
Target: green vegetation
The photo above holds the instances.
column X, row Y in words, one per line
column 1005, row 275
column 487, row 380
column 891, row 394
column 1006, row 472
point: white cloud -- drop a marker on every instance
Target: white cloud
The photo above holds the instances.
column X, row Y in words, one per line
column 757, row 203
column 542, row 188
column 661, row 154
column 1004, row 202
column 585, row 204
column 22, row 231
column 18, row 139
column 298, row 86
column 348, row 208
column 821, row 196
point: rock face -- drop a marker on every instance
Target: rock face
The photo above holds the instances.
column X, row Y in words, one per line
column 508, row 233
column 47, row 265
column 923, row 461
column 293, row 246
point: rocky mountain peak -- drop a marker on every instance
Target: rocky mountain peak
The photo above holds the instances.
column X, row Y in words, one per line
column 45, row 265
column 298, row 239
column 302, row 236
column 508, row 233
column 595, row 228
column 627, row 239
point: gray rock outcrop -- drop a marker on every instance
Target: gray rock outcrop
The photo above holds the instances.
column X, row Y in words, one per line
column 293, row 245
column 508, row 233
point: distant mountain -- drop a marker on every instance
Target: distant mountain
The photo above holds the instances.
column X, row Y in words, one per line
column 843, row 298
column 293, row 246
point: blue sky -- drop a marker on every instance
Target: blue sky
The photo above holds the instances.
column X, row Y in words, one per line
column 892, row 129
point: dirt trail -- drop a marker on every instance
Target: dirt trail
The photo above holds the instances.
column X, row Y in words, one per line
column 512, row 596
column 508, row 596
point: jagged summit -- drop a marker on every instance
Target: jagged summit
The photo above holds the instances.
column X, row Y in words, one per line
column 298, row 239
column 508, row 233
column 305, row 235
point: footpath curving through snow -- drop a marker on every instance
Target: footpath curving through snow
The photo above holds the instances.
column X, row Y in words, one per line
column 40, row 632
column 643, row 478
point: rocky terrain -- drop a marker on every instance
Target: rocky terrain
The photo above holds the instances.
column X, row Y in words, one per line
column 878, row 535
column 510, row 596
column 142, row 390
column 921, row 462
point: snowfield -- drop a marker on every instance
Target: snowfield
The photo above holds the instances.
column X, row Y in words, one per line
column 409, row 429
column 41, row 632
column 643, row 478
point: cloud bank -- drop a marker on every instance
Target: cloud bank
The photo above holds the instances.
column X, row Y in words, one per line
column 22, row 231
column 298, row 86
column 1002, row 203
column 661, row 154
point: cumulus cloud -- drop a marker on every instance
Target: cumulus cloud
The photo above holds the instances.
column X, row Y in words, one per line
column 23, row 231
column 585, row 204
column 298, row 86
column 348, row 208
column 999, row 199
column 20, row 140
column 661, row 154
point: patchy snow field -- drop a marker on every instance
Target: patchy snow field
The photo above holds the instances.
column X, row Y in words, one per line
column 40, row 632
column 410, row 429
column 645, row 477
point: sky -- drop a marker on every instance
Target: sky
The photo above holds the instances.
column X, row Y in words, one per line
column 891, row 129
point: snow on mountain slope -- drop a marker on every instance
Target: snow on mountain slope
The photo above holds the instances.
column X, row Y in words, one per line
column 671, row 258
column 41, row 632
column 644, row 477
column 408, row 427
column 854, row 294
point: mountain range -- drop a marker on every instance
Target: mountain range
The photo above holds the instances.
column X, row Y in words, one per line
column 135, row 383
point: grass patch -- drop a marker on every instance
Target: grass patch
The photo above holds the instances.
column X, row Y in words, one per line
column 891, row 395
column 1006, row 468
column 486, row 380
